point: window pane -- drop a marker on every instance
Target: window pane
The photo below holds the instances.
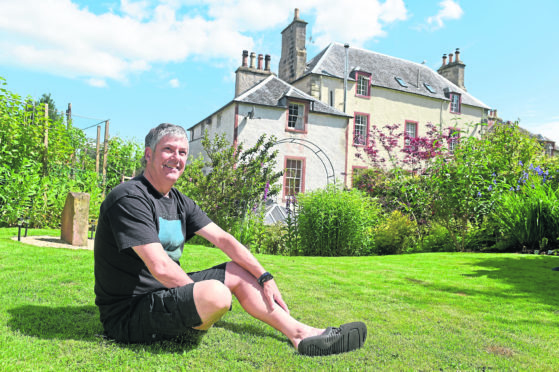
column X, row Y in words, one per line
column 411, row 132
column 293, row 176
column 455, row 103
column 360, row 134
column 362, row 85
column 295, row 119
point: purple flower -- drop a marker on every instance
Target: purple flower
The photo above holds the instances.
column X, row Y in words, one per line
column 490, row 187
column 266, row 189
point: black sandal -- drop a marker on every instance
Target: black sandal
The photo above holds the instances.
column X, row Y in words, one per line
column 347, row 337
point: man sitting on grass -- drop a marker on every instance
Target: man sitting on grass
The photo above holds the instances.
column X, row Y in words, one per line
column 144, row 295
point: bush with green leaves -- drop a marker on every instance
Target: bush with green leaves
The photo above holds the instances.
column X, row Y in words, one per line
column 273, row 240
column 336, row 222
column 529, row 212
column 237, row 184
column 395, row 235
column 35, row 179
column 436, row 240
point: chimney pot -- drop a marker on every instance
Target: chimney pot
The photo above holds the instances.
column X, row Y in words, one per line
column 245, row 56
column 252, row 57
column 457, row 54
column 260, row 58
column 450, row 55
column 267, row 59
column 444, row 59
column 296, row 13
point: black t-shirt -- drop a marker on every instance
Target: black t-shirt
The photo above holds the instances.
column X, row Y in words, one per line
column 135, row 213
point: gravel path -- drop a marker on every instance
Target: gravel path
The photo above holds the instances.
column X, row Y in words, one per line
column 52, row 241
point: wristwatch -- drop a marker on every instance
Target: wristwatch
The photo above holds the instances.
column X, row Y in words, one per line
column 264, row 278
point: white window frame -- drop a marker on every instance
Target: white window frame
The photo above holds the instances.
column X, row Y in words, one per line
column 455, row 103
column 294, row 176
column 410, row 133
column 296, row 116
column 361, row 126
column 363, row 84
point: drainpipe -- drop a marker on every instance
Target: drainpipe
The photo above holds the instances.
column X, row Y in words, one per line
column 346, row 46
column 441, row 118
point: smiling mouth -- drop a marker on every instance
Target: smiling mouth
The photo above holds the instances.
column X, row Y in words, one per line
column 170, row 167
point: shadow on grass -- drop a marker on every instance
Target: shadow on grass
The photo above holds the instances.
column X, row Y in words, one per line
column 81, row 323
column 244, row 328
column 62, row 323
column 528, row 276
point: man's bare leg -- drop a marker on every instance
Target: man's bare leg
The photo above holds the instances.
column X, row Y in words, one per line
column 211, row 308
column 249, row 293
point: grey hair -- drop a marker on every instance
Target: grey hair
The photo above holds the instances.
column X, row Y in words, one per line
column 160, row 131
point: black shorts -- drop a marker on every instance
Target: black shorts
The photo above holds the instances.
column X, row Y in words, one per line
column 165, row 314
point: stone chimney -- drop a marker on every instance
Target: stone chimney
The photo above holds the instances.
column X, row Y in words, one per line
column 293, row 58
column 248, row 76
column 454, row 69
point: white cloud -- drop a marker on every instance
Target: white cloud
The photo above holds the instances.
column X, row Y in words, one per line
column 449, row 10
column 64, row 38
column 174, row 83
column 137, row 10
column 353, row 21
column 99, row 83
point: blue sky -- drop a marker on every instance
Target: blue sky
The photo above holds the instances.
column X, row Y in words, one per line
column 140, row 63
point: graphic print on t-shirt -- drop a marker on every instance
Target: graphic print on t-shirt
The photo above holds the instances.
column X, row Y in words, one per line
column 171, row 238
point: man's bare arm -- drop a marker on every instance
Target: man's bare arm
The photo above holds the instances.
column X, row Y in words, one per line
column 242, row 256
column 161, row 266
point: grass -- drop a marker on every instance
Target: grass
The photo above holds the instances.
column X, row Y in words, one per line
column 441, row 311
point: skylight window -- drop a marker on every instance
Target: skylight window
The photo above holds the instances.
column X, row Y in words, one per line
column 430, row 88
column 401, row 82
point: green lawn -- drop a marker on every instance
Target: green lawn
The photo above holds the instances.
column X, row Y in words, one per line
column 441, row 311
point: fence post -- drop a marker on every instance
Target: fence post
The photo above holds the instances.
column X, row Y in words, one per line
column 105, row 153
column 97, row 149
column 69, row 116
column 46, row 141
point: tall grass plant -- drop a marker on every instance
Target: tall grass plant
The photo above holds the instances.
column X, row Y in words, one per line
column 336, row 222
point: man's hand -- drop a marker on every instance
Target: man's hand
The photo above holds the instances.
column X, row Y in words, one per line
column 272, row 295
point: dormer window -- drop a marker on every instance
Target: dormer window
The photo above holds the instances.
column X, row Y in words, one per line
column 401, row 82
column 296, row 116
column 363, row 86
column 455, row 103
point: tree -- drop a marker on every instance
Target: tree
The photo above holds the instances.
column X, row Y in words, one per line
column 54, row 115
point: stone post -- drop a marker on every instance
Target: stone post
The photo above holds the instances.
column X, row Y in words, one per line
column 75, row 219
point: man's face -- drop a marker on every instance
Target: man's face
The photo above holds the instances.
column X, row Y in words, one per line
column 165, row 163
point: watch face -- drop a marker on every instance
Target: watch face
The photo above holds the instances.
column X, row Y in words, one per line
column 264, row 278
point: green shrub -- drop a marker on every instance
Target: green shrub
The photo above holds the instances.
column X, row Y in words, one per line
column 335, row 222
column 530, row 213
column 238, row 182
column 437, row 240
column 395, row 235
column 273, row 241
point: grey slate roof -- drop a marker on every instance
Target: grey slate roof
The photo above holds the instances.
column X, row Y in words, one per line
column 383, row 70
column 272, row 90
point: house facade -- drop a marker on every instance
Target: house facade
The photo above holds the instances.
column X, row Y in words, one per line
column 378, row 90
column 322, row 110
column 310, row 134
